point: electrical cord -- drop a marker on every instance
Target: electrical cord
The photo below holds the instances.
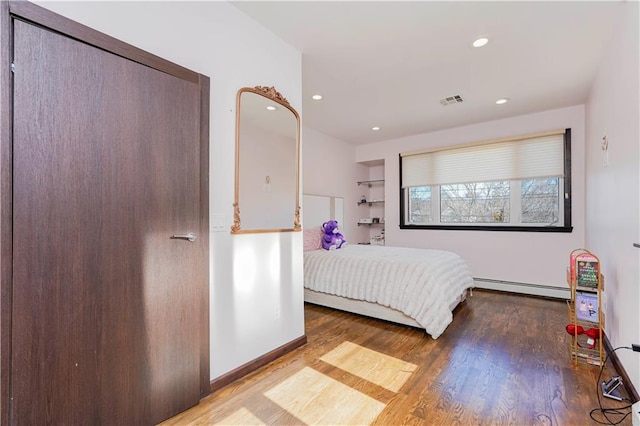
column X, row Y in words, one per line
column 611, row 411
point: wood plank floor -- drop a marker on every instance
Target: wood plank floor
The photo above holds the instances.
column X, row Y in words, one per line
column 503, row 360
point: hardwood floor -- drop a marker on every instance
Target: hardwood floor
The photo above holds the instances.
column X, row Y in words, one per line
column 503, row 360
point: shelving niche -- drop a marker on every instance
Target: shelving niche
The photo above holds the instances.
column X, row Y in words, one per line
column 373, row 198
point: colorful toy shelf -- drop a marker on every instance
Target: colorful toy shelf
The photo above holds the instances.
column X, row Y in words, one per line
column 586, row 318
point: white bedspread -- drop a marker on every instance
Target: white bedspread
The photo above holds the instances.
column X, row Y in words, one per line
column 421, row 283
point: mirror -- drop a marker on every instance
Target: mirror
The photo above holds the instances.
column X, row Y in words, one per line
column 267, row 163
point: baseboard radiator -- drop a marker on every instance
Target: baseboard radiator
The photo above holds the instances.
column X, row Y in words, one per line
column 523, row 288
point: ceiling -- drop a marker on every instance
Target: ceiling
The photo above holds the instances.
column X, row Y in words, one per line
column 389, row 63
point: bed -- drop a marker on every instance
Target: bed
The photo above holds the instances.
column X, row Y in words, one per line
column 417, row 287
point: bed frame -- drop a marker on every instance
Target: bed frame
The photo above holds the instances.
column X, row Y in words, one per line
column 368, row 309
column 361, row 307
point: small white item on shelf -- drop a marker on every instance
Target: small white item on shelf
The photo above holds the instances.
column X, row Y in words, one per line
column 378, row 240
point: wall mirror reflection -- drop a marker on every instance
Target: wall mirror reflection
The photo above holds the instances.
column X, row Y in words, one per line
column 267, row 163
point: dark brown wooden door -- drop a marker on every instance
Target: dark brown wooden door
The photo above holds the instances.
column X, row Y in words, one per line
column 105, row 305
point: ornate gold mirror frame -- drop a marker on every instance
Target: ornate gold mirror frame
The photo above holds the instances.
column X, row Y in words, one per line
column 267, row 175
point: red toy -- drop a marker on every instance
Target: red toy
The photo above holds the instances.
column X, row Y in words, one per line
column 593, row 334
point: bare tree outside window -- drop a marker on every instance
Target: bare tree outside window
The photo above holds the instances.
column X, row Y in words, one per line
column 488, row 203
column 476, row 202
column 540, row 200
column 420, row 204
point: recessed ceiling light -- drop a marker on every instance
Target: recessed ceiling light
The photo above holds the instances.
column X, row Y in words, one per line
column 480, row 42
column 502, row 101
column 316, row 97
column 271, row 108
column 375, row 128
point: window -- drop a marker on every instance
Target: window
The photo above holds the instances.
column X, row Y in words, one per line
column 518, row 184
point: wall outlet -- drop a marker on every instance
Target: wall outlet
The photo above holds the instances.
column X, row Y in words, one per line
column 278, row 312
column 218, row 223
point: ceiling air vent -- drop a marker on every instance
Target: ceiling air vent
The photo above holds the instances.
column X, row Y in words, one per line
column 457, row 99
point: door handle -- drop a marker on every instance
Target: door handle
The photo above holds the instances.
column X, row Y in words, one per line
column 191, row 237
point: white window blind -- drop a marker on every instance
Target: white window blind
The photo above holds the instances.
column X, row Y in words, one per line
column 533, row 157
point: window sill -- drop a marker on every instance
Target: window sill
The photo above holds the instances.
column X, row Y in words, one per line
column 556, row 229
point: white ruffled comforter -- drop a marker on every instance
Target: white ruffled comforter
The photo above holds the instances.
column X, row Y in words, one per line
column 421, row 283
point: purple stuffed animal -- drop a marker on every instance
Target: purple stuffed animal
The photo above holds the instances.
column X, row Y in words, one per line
column 332, row 238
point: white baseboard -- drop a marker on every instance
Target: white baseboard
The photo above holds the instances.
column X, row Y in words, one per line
column 523, row 288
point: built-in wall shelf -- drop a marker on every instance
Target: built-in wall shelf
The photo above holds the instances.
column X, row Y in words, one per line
column 370, row 223
column 370, row 202
column 370, row 183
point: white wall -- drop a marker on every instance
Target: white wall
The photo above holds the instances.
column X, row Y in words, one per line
column 613, row 198
column 526, row 257
column 256, row 279
column 329, row 168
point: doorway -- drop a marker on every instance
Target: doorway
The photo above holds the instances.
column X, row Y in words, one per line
column 107, row 317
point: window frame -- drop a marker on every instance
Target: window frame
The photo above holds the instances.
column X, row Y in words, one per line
column 565, row 205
